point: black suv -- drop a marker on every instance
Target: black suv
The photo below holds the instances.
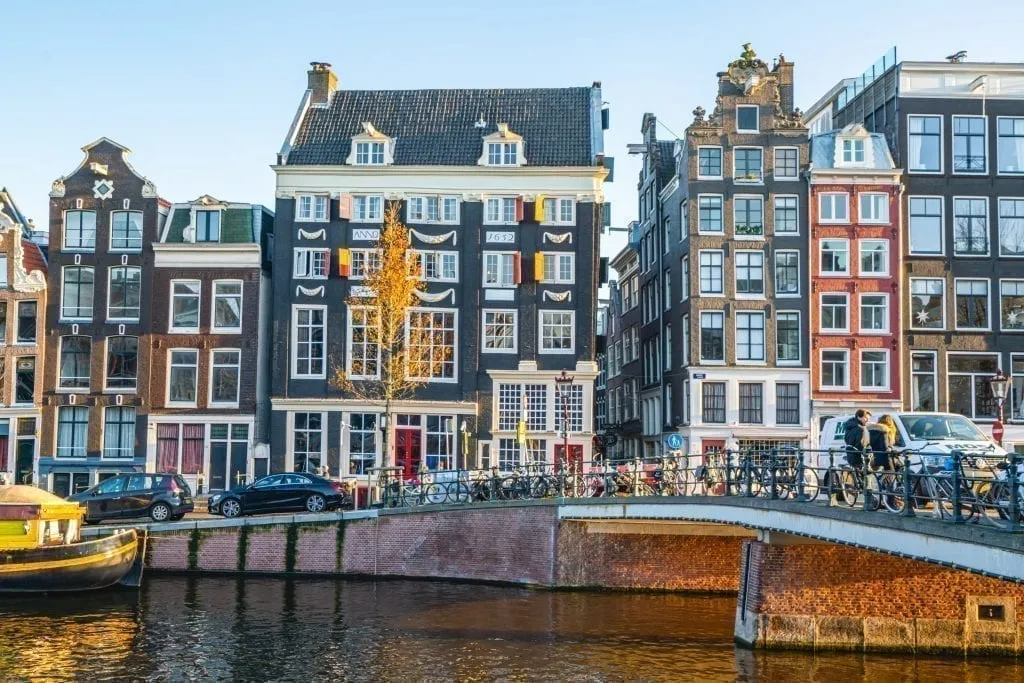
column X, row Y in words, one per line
column 162, row 497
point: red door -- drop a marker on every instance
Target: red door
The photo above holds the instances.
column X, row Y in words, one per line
column 710, row 447
column 575, row 456
column 407, row 451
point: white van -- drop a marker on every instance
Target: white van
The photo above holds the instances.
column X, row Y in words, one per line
column 934, row 435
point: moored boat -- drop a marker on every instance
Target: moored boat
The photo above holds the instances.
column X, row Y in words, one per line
column 41, row 548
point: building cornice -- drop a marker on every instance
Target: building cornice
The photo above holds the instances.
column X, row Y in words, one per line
column 356, row 405
column 206, row 255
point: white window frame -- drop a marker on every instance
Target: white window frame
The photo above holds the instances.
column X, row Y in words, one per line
column 860, row 257
column 999, row 170
column 764, row 337
column 501, row 256
column 821, row 257
column 502, row 153
column 721, row 267
column 942, row 226
column 721, row 214
column 853, row 160
column 832, row 197
column 60, row 367
column 214, row 366
column 64, row 231
column 515, row 330
column 540, row 332
column 319, row 208
column 199, row 314
column 799, row 338
column 374, row 431
column 736, row 275
column 63, row 285
column 999, row 220
column 366, row 152
column 934, row 374
column 821, row 361
column 556, row 257
column 110, row 279
column 106, row 364
column 775, row 165
column 721, row 163
column 735, row 214
column 865, row 200
column 988, row 226
column 910, row 306
column 110, row 232
column 888, row 371
column 454, row 379
column 984, row 145
column 349, row 352
column 370, row 257
column 294, row 340
column 757, row 118
column 942, row 145
column 860, row 313
column 988, row 304
column 950, row 374
column 775, row 275
column 684, row 273
column 558, row 211
column 361, row 205
column 745, row 180
column 438, row 255
column 423, row 215
column 214, row 295
column 304, row 263
column 821, row 313
column 167, row 394
column 1002, row 327
column 775, row 213
column 502, row 201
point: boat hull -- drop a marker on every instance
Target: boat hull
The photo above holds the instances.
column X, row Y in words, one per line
column 89, row 565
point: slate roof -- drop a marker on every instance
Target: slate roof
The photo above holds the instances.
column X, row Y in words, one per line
column 236, row 224
column 666, row 162
column 823, row 149
column 436, row 127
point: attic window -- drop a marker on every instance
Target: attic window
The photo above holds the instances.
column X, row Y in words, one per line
column 371, row 148
column 207, row 226
column 853, row 151
column 370, row 153
column 502, row 153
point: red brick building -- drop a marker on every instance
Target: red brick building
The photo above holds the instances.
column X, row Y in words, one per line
column 855, row 274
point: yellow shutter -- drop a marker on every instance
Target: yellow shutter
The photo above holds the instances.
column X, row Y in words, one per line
column 538, row 267
column 538, row 209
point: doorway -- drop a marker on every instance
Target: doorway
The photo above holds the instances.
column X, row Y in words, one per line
column 407, row 451
column 573, row 461
column 711, row 447
column 229, row 456
column 25, row 451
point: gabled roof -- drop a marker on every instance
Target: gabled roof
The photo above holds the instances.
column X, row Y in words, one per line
column 440, row 127
column 666, row 162
column 237, row 222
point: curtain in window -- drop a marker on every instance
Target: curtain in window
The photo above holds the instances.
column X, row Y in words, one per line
column 166, row 448
column 192, row 448
column 916, row 148
column 3, row 452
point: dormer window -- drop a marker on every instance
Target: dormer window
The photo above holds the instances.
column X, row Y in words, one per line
column 207, row 226
column 853, row 151
column 503, row 148
column 371, row 153
column 371, row 148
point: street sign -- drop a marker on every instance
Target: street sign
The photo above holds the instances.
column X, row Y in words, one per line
column 997, row 432
column 674, row 442
column 699, row 375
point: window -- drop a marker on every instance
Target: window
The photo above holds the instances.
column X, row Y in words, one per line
column 573, row 405
column 709, row 162
column 502, row 153
column 972, row 304
column 835, row 368
column 75, row 362
column 4, row 281
column 924, row 144
column 749, row 336
column 185, row 305
column 312, row 208
column 1010, row 142
column 853, row 151
column 712, row 336
column 367, row 208
column 923, row 381
column 684, row 219
column 970, row 226
column 1016, row 387
column 668, row 347
column 370, row 153
column 556, row 331
column 969, row 392
column 874, row 370
column 1011, row 304
column 181, row 385
column 307, row 442
column 835, row 257
column 364, row 343
column 559, row 210
column 362, row 442
column 500, row 332
column 750, row 272
column 874, row 313
column 685, row 340
column 499, row 269
column 874, row 257
column 434, row 209
column 786, row 216
column 79, row 230
column 72, row 431
column 709, row 211
column 227, row 306
column 537, row 407
column 311, row 263
column 364, row 262
column 711, row 275
column 309, row 335
column 125, row 296
column 787, row 337
column 927, row 305
column 747, row 165
column 926, row 225
column 748, row 216
column 834, row 317
column 24, row 379
column 787, row 165
column 751, row 402
column 746, row 118
column 439, row 449
column 126, row 231
column 77, row 293
column 500, row 210
column 1011, row 227
column 559, row 268
column 833, row 207
column 225, row 369
column 3, row 322
column 430, row 336
column 787, row 403
column 874, row 207
column 713, row 402
column 122, row 362
column 510, row 406
column 27, row 311
column 118, row 432
column 969, row 144
column 207, row 226
column 787, row 273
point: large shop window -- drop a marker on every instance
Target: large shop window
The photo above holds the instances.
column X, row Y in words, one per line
column 969, row 391
column 179, row 448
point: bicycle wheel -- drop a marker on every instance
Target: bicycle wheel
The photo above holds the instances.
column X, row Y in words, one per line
column 849, row 487
column 457, row 492
column 692, row 482
column 538, row 488
column 811, row 485
column 890, row 490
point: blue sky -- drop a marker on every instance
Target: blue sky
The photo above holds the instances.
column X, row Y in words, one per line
column 203, row 92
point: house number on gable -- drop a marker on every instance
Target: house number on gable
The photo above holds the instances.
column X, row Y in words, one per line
column 365, row 235
column 501, row 237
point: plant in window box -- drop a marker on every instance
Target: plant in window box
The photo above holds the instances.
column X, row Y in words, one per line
column 744, row 229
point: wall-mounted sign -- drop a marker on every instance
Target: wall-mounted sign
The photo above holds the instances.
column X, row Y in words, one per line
column 500, row 237
column 365, row 235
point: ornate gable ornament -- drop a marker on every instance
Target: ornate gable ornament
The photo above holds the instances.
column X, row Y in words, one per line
column 748, row 72
column 24, row 281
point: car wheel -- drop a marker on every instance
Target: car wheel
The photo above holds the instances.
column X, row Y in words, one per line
column 160, row 512
column 230, row 507
column 316, row 503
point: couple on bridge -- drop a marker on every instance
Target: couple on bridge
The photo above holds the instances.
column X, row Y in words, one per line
column 878, row 438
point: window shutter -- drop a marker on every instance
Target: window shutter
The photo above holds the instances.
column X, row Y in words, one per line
column 538, row 267
column 517, row 267
column 344, row 263
column 345, row 207
column 538, row 209
column 519, row 208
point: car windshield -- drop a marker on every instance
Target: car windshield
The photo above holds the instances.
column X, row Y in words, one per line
column 941, row 428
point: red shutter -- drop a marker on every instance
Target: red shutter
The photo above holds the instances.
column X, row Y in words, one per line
column 517, row 267
column 345, row 207
column 519, row 208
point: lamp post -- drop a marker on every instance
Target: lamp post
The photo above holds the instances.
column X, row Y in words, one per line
column 464, row 428
column 999, row 384
column 564, row 384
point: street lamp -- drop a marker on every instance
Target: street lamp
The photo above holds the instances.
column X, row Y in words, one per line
column 564, row 384
column 999, row 384
column 464, row 428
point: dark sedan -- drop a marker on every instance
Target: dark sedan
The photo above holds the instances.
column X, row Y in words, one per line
column 161, row 497
column 279, row 493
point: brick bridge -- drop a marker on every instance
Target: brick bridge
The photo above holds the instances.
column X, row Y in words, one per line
column 806, row 576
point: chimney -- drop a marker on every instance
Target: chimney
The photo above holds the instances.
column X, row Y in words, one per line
column 785, row 71
column 322, row 82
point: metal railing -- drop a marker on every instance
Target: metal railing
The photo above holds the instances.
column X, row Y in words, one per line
column 958, row 488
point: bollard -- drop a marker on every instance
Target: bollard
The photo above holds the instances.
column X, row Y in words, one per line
column 1014, row 510
column 800, row 495
column 773, row 492
column 908, row 488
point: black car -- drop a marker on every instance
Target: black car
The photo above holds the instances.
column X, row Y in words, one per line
column 162, row 497
column 280, row 493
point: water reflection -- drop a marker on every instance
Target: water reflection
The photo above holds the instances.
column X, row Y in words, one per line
column 186, row 629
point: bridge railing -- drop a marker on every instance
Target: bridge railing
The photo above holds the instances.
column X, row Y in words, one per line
column 958, row 488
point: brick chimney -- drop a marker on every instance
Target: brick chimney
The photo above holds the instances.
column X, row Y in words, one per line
column 322, row 82
column 785, row 71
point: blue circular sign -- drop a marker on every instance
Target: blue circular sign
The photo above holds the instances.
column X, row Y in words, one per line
column 674, row 441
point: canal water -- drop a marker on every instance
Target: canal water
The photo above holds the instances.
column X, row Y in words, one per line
column 226, row 629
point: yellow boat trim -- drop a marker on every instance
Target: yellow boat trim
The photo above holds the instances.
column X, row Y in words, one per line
column 71, row 562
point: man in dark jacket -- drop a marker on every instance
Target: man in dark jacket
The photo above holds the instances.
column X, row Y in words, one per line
column 857, row 438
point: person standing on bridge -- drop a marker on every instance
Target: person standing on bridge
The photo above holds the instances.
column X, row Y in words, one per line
column 857, row 438
column 882, row 436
